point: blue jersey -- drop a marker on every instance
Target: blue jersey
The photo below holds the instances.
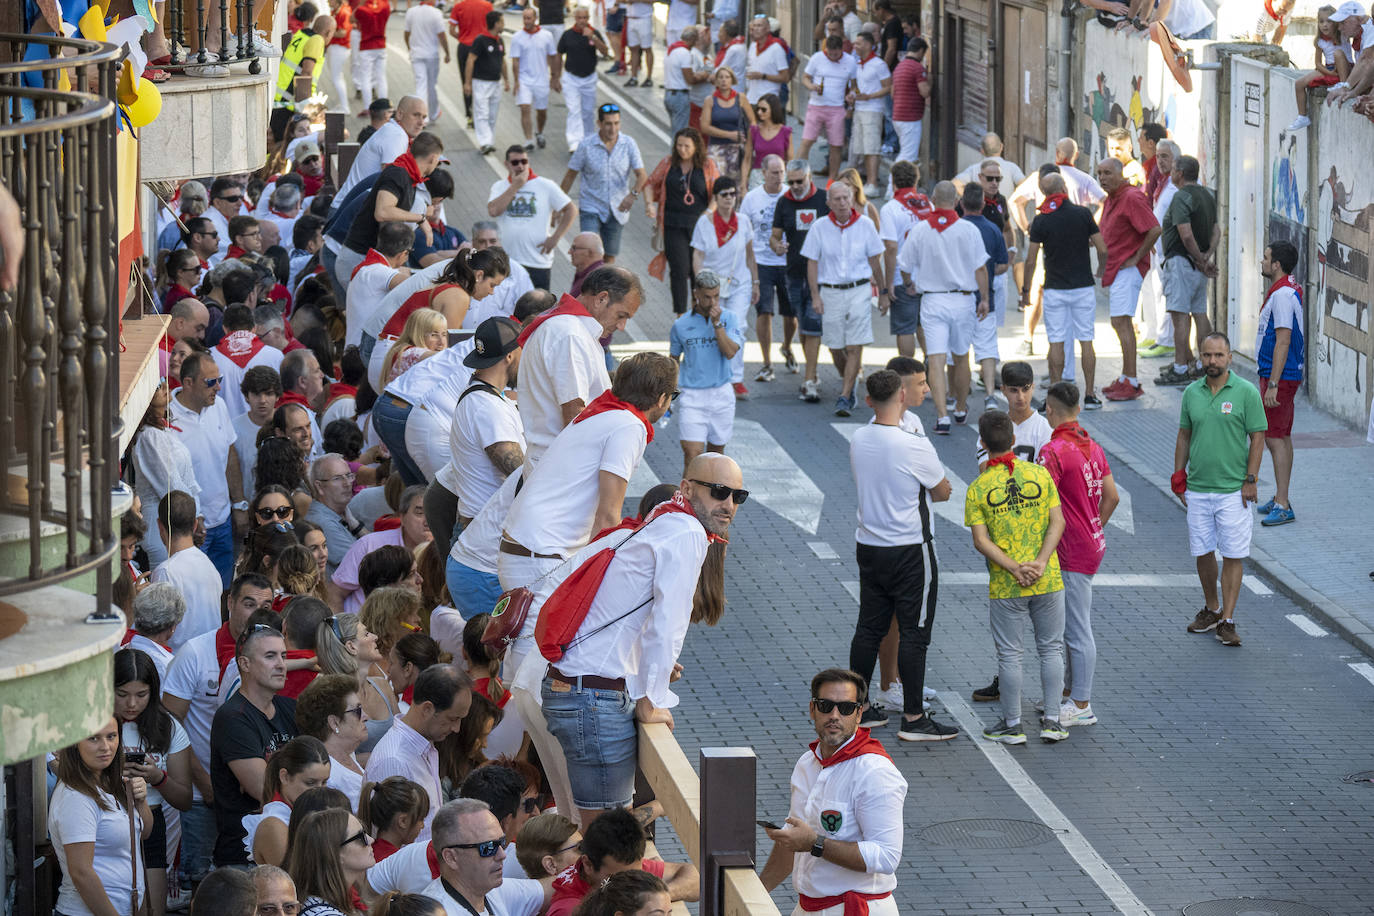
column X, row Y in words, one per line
column 1282, row 309
column 993, row 241
column 693, row 337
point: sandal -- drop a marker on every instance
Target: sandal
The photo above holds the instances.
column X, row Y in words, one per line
column 154, row 75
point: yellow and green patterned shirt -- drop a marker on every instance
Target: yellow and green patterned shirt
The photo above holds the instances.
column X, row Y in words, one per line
column 1015, row 509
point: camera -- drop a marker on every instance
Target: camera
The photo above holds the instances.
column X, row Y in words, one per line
column 138, row 757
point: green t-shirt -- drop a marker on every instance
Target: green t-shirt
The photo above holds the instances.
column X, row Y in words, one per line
column 1197, row 206
column 1221, row 424
column 1015, row 509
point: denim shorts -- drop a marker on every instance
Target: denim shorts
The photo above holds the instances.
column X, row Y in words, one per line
column 473, row 591
column 596, row 729
column 609, row 229
column 799, row 294
column 904, row 312
column 773, row 284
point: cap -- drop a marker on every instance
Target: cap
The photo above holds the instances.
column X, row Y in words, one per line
column 492, row 340
column 773, row 24
column 382, row 104
column 305, row 149
column 1346, row 10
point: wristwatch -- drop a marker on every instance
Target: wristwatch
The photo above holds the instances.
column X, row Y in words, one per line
column 884, row 291
column 818, row 847
column 241, row 505
column 1251, row 478
column 718, row 324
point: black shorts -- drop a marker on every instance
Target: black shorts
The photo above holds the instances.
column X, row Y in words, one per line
column 615, row 22
column 155, row 846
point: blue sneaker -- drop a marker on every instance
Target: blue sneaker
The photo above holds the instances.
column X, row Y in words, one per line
column 1266, row 508
column 1278, row 516
column 843, row 406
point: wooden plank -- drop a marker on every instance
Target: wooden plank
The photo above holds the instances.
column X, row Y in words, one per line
column 745, row 896
column 674, row 782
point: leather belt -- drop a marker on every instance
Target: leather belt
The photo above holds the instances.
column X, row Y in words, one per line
column 844, row 285
column 464, row 520
column 674, row 90
column 520, row 550
column 400, row 402
column 594, row 681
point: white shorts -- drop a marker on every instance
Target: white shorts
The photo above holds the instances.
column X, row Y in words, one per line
column 848, row 317
column 1124, row 293
column 1219, row 521
column 948, row 320
column 639, row 32
column 1069, row 314
column 533, row 93
column 706, row 414
column 984, row 338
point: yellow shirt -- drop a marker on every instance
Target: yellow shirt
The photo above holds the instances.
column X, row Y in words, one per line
column 1015, row 509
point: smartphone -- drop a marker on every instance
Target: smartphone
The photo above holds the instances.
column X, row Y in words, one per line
column 138, row 757
column 770, row 825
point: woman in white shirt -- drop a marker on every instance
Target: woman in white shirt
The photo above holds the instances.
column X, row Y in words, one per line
column 299, row 764
column 157, row 748
column 330, row 710
column 89, row 818
column 161, row 464
column 723, row 242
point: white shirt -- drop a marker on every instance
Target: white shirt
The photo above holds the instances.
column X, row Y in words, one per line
column 680, row 15
column 736, row 58
column 229, row 370
column 514, row 897
column 478, row 547
column 1347, row 48
column 842, row 255
column 1082, row 189
column 759, row 205
column 133, row 741
column 1031, row 436
column 435, row 384
column 1166, row 197
column 481, row 420
column 1187, row 17
column 562, row 361
column 853, row 25
column 943, row 262
column 892, row 470
column 730, row 261
column 833, row 77
column 381, row 149
column 679, row 59
column 533, row 51
column 868, row 793
column 222, row 226
column 160, row 654
column 424, row 25
column 193, row 574
column 528, row 219
column 346, row 780
column 554, row 510
column 659, row 564
column 77, row 818
column 869, row 77
column 405, row 752
column 502, row 299
column 162, row 463
column 639, row 10
column 697, row 92
column 251, row 822
column 405, row 870
column 1011, row 174
column 366, row 291
column 895, row 221
column 770, row 63
column 208, row 435
column 193, row 676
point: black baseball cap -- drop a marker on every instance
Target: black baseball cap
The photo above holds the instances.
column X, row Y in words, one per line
column 492, row 340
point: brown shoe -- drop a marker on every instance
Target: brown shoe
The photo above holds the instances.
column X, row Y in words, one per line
column 1226, row 633
column 1204, row 621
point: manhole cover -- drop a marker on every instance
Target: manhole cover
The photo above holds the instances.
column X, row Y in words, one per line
column 987, row 833
column 1365, row 779
column 1250, row 906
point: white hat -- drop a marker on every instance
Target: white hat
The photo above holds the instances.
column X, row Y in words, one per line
column 1347, row 10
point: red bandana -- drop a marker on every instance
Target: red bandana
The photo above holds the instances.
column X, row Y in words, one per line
column 293, row 397
column 606, row 401
column 240, row 347
column 432, row 859
column 940, row 220
column 204, row 264
column 1075, row 434
column 566, row 306
column 1052, row 202
column 407, row 162
column 235, row 252
column 532, row 31
column 674, row 46
column 1281, row 282
column 338, row 390
column 1007, row 460
column 768, row 41
column 853, row 218
column 725, row 96
column 991, row 202
column 810, row 190
column 531, row 177
column 383, row 849
column 224, row 648
column 312, row 183
column 914, row 201
column 725, row 229
column 373, row 257
column 720, row 55
column 862, row 743
column 871, row 55
column 408, row 695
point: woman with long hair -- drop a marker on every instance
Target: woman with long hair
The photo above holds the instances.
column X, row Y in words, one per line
column 677, row 193
column 299, row 764
column 627, row 893
column 769, row 135
column 395, row 903
column 329, row 709
column 471, row 275
column 464, row 750
column 179, row 272
column 393, row 811
column 429, row 566
column 280, row 462
column 320, row 798
column 299, row 574
column 265, row 547
column 865, row 206
column 507, row 736
column 329, row 859
column 425, row 333
column 161, row 463
column 98, row 817
column 313, row 538
column 272, row 503
column 411, row 654
column 725, row 120
column 158, row 749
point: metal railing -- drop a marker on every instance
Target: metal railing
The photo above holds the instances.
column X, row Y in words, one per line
column 212, row 21
column 59, row 426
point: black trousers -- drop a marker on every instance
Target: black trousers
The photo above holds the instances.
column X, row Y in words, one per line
column 900, row 582
column 463, row 52
column 677, row 245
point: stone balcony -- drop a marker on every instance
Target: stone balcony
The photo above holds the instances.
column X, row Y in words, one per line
column 214, row 126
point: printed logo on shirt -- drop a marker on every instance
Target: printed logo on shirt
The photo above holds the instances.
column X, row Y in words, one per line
column 832, row 820
column 805, row 218
column 1227, row 407
column 1014, row 497
column 523, row 206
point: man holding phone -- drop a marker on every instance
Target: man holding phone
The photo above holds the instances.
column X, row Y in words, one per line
column 843, row 837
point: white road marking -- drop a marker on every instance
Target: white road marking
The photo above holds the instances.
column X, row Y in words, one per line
column 1089, row 860
column 1364, row 670
column 641, row 481
column 822, row 550
column 1124, row 516
column 1258, row 587
column 1306, row 624
column 773, row 478
column 853, row 589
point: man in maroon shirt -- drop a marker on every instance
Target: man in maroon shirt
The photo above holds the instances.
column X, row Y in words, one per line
column 910, row 90
column 1129, row 228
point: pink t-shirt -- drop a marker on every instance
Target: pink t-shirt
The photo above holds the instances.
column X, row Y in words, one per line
column 1079, row 480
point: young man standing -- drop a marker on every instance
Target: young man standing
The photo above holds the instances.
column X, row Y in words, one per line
column 1130, row 229
column 1279, row 348
column 533, row 213
column 425, row 37
column 705, row 340
column 483, row 76
column 537, row 68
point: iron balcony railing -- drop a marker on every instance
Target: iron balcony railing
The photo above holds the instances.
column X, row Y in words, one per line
column 212, row 21
column 59, row 424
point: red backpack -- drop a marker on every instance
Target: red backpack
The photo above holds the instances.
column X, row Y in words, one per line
column 566, row 609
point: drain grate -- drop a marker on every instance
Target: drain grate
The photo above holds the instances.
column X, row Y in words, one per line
column 1364, row 778
column 1250, row 906
column 987, row 833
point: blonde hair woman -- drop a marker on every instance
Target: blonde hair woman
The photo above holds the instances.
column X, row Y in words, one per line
column 425, row 333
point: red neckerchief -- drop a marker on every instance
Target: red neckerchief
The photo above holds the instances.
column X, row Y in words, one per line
column 312, row 183
column 1281, row 282
column 768, row 41
column 725, row 229
column 570, row 881
column 628, row 523
column 865, row 60
column 373, row 257
column 531, row 178
column 130, row 633
column 532, row 31
column 339, row 390
column 862, row 743
column 224, row 648
column 720, row 55
column 355, row 899
column 204, row 264
column 412, row 168
column 853, row 218
column 991, row 202
column 1007, row 460
column 730, row 94
column 235, row 251
column 438, row 227
column 913, row 200
column 408, row 695
column 1052, row 202
column 810, row 190
column 276, row 212
column 432, row 859
column 293, row 397
column 674, row 46
column 679, row 503
column 240, row 347
column 566, row 306
column 605, row 402
column 383, row 849
column 940, row 220
column 1075, row 435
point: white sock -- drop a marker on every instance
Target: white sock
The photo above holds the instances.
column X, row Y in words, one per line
column 1132, row 379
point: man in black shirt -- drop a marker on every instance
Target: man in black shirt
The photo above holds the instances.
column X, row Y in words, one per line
column 1066, row 232
column 392, row 199
column 796, row 212
column 250, row 726
column 486, row 67
column 552, row 15
column 579, row 47
column 890, row 42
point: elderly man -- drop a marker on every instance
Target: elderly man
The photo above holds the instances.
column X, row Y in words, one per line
column 276, row 892
column 765, row 62
column 202, row 422
column 333, row 485
column 533, row 213
column 270, row 327
column 284, row 208
column 796, row 212
column 579, row 48
column 1191, row 234
column 844, row 255
column 944, row 259
column 681, row 73
column 486, row 233
column 587, row 255
column 613, row 177
column 470, row 848
column 1130, row 229
column 1158, row 326
column 391, row 140
column 991, row 148
column 190, row 318
column 303, row 383
column 158, row 610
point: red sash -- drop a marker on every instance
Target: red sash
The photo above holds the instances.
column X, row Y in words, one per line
column 940, row 220
column 373, row 257
column 566, row 306
column 855, row 903
column 240, row 347
column 725, row 229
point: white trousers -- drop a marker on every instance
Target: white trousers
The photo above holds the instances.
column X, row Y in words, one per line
column 427, row 441
column 336, row 59
column 486, row 103
column 372, row 75
column 738, row 302
column 355, row 39
column 426, row 70
column 579, row 96
column 908, row 139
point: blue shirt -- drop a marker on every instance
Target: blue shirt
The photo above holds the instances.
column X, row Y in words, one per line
column 993, row 241
column 694, row 338
column 1282, row 309
column 448, row 240
column 606, row 175
column 343, row 211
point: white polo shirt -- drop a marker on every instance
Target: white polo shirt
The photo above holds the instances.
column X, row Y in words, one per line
column 406, row 870
column 842, row 254
column 897, row 470
column 895, row 219
column 514, row 897
column 562, row 361
column 366, row 291
column 481, row 420
column 208, row 435
column 679, row 59
column 193, row 676
column 533, row 50
column 730, row 260
column 834, row 77
column 424, row 25
column 869, row 77
column 942, row 262
column 771, row 62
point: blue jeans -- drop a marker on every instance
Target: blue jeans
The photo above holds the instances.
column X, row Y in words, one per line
column 679, row 107
column 197, row 842
column 473, row 592
column 609, row 229
column 596, row 729
column 390, row 418
column 799, row 294
column 328, row 259
column 219, row 547
column 904, row 314
column 773, row 283
column 366, row 344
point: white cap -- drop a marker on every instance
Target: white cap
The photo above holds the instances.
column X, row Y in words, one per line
column 1347, row 10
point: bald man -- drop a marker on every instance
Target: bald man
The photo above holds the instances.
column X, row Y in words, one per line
column 190, row 318
column 389, row 141
column 586, row 254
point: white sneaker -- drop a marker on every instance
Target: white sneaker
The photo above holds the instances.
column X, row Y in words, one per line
column 1301, row 122
column 207, row 71
column 262, row 47
column 872, row 191
column 1070, row 714
column 928, row 693
column 893, row 697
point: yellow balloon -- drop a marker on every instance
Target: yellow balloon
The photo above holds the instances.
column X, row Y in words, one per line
column 147, row 106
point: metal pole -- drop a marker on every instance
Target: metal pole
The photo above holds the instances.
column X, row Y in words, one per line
column 727, row 820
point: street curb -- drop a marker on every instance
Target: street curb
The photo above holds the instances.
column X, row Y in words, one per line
column 1281, row 577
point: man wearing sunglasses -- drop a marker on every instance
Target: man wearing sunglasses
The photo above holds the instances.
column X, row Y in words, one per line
column 470, row 848
column 203, row 423
column 226, row 202
column 842, row 840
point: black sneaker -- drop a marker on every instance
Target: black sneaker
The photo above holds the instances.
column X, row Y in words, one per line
column 648, row 83
column 1091, row 402
column 926, row 729
column 875, row 716
column 1051, row 731
column 1003, row 733
column 987, row 694
column 1172, row 377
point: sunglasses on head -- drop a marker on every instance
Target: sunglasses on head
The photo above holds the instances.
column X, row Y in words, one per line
column 281, row 512
column 826, row 707
column 338, row 631
column 720, row 491
column 609, row 108
column 486, row 849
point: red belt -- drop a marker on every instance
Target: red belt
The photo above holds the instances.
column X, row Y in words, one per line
column 855, row 903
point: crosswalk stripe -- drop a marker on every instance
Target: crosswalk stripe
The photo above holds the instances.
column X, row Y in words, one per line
column 1364, row 670
column 1306, row 624
column 773, row 478
column 822, row 550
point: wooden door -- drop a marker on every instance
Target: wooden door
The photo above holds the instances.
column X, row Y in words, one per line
column 1021, row 99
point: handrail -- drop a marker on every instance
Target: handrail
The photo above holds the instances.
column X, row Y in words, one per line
column 88, row 52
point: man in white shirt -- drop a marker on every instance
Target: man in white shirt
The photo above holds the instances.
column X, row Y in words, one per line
column 681, row 14
column 470, row 847
column 488, row 441
column 639, row 37
column 844, row 255
column 564, row 366
column 758, row 207
column 187, row 568
column 203, row 423
column 382, row 270
column 426, row 34
column 158, row 610
column 991, row 148
column 683, row 71
column 537, row 68
column 897, row 474
column 239, row 350
column 843, row 836
column 391, row 140
column 872, row 87
column 895, row 220
column 1355, row 66
column 765, row 62
column 533, row 213
column 945, row 260
column 828, row 77
column 443, row 695
column 733, row 53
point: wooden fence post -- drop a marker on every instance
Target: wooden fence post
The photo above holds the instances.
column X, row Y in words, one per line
column 727, row 819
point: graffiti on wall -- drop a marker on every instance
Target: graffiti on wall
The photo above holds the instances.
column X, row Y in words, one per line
column 1346, row 280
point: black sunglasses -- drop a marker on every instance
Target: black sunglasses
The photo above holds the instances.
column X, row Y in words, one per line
column 486, row 849
column 518, row 161
column 232, row 200
column 359, row 837
column 720, row 491
column 266, row 512
column 826, row 707
column 531, row 805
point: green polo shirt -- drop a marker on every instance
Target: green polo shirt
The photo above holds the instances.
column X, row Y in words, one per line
column 1221, row 424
